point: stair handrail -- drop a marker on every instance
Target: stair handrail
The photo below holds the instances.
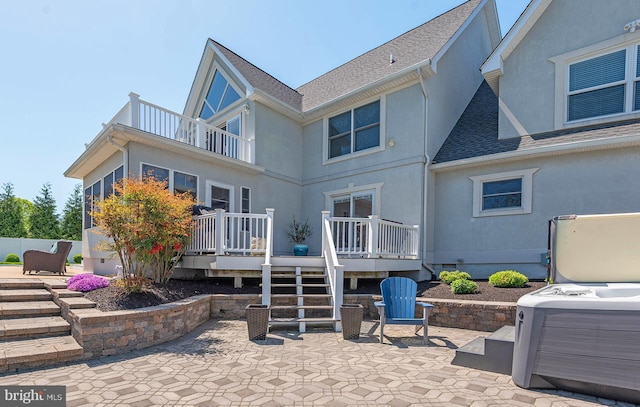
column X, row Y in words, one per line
column 335, row 270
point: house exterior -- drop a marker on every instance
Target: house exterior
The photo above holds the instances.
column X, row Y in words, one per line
column 352, row 147
column 553, row 130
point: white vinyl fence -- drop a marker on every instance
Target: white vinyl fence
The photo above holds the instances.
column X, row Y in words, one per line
column 19, row 245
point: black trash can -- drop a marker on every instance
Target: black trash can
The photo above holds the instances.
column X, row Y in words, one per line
column 351, row 320
column 257, row 321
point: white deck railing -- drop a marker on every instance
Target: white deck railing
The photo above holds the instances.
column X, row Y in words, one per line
column 335, row 270
column 240, row 233
column 373, row 237
column 157, row 120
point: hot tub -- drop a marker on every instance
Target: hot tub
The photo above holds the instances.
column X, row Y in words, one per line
column 582, row 333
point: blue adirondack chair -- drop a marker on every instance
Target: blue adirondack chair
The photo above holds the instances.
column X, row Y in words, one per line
column 398, row 305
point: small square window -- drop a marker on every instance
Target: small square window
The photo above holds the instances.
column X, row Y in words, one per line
column 507, row 193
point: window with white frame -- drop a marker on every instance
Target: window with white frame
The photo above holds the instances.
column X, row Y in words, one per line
column 505, row 193
column 110, row 179
column 177, row 182
column 219, row 196
column 221, row 94
column 223, row 142
column 97, row 191
column 355, row 130
column 604, row 85
column 92, row 195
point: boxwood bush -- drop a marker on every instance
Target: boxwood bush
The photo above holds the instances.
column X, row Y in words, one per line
column 464, row 286
column 508, row 278
column 449, row 277
column 77, row 258
column 12, row 258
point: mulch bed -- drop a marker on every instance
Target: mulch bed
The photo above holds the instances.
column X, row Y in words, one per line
column 113, row 298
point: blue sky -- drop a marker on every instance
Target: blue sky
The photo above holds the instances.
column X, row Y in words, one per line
column 68, row 65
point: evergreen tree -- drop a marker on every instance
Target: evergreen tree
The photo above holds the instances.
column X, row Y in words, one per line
column 43, row 222
column 12, row 223
column 71, row 224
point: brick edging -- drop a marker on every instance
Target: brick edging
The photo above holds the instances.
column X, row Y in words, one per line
column 115, row 332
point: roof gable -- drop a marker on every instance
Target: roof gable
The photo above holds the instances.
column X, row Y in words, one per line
column 416, row 46
column 492, row 67
column 245, row 75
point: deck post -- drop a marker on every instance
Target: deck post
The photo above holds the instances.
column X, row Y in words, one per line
column 325, row 217
column 201, row 134
column 134, row 110
column 221, row 231
column 372, row 238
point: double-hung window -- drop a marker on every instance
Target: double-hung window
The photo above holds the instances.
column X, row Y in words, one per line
column 604, row 85
column 355, row 130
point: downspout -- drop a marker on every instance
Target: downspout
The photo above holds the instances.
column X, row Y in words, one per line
column 425, row 176
column 125, row 156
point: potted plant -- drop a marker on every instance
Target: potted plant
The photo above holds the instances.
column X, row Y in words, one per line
column 297, row 233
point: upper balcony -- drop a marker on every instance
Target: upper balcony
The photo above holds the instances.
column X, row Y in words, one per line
column 150, row 118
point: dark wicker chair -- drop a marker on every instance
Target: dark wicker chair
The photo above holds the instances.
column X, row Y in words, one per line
column 39, row 260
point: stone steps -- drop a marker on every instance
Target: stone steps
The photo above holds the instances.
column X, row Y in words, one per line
column 32, row 331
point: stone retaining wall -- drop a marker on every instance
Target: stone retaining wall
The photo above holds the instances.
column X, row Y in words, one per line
column 108, row 333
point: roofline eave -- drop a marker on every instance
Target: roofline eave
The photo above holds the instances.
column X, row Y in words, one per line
column 543, row 151
column 404, row 75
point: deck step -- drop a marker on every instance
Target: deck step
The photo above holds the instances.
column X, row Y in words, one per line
column 309, row 285
column 24, row 294
column 294, row 321
column 293, row 275
column 301, row 295
column 306, row 307
column 23, row 309
column 492, row 353
column 33, row 327
column 29, row 353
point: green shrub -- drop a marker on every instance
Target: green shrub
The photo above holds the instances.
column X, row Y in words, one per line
column 508, row 278
column 77, row 258
column 12, row 258
column 449, row 277
column 464, row 286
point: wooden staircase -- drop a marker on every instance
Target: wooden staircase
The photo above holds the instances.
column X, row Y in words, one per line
column 32, row 330
column 300, row 295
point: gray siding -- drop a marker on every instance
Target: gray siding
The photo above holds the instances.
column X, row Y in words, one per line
column 563, row 185
column 528, row 84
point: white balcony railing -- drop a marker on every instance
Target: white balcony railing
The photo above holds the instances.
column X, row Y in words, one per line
column 240, row 233
column 157, row 120
column 373, row 237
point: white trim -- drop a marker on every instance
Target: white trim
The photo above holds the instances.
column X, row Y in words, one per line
column 630, row 42
column 209, row 183
column 353, row 154
column 217, row 67
column 526, row 197
column 351, row 189
column 620, row 141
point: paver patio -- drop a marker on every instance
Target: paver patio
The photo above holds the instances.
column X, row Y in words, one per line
column 217, row 365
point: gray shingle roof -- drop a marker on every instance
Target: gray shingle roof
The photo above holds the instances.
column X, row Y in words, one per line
column 259, row 79
column 476, row 132
column 415, row 46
